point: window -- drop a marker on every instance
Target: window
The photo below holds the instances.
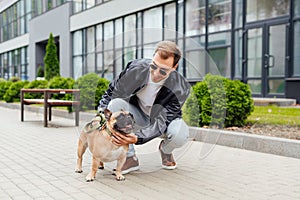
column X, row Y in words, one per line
column 153, row 25
column 77, row 43
column 118, row 33
column 297, row 49
column 219, row 15
column 118, row 46
column 90, row 3
column 195, row 19
column 219, row 39
column 265, row 9
column 90, row 40
column 239, row 13
column 90, row 57
column 77, row 54
column 77, row 6
column 129, row 38
column 38, row 7
column 238, row 60
column 99, row 49
column 221, row 60
column 130, row 31
column 108, row 50
column 170, row 22
column 195, row 64
column 296, row 8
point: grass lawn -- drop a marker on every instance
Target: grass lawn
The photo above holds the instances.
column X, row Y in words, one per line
column 274, row 115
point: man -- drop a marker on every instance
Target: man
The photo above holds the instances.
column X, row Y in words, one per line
column 154, row 92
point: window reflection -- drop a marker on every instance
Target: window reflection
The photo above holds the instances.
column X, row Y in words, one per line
column 297, row 49
column 238, row 59
column 297, row 8
column 219, row 15
column 153, row 25
column 170, row 22
column 221, row 58
column 195, row 17
column 265, row 9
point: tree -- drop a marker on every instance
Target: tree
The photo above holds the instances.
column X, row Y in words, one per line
column 51, row 60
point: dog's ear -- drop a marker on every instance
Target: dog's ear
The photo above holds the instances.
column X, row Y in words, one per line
column 107, row 114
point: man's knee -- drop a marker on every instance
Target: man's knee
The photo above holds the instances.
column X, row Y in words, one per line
column 178, row 132
column 117, row 105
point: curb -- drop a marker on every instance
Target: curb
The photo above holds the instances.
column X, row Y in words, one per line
column 259, row 143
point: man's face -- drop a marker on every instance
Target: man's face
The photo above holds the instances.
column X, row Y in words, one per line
column 161, row 68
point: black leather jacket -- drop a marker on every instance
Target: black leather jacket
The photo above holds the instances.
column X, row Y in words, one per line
column 168, row 102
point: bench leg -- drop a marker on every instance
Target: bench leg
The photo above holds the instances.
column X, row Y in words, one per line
column 76, row 115
column 22, row 106
column 50, row 112
column 22, row 111
column 45, row 115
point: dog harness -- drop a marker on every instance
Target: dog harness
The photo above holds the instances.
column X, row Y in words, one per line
column 94, row 124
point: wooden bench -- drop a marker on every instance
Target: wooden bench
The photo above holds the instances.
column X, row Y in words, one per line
column 49, row 103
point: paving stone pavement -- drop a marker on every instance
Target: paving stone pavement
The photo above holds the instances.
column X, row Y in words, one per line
column 39, row 163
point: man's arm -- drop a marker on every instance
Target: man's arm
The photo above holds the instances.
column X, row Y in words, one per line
column 120, row 139
column 107, row 96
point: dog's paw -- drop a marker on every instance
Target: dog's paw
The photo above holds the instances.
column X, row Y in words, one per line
column 89, row 178
column 120, row 178
column 78, row 171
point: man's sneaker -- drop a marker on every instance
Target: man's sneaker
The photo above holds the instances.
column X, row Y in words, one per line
column 168, row 161
column 131, row 164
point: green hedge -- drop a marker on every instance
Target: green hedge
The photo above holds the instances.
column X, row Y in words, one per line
column 4, row 85
column 36, row 84
column 61, row 83
column 13, row 92
column 92, row 87
column 218, row 102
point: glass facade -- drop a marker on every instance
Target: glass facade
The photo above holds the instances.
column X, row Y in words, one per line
column 14, row 20
column 233, row 38
column 14, row 64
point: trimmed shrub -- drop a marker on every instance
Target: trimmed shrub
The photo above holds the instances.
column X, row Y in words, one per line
column 13, row 92
column 4, row 85
column 239, row 102
column 102, row 86
column 61, row 83
column 92, row 87
column 222, row 102
column 36, row 84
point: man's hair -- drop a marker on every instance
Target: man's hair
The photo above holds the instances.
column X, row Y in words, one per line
column 168, row 49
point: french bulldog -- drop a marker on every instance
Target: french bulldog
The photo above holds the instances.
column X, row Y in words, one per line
column 99, row 142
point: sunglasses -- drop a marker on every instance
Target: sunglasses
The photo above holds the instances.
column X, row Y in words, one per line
column 161, row 71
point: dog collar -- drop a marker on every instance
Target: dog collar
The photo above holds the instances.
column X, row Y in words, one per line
column 108, row 132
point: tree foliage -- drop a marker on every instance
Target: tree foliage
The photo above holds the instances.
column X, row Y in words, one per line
column 51, row 60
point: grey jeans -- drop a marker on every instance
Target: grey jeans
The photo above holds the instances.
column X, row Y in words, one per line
column 177, row 133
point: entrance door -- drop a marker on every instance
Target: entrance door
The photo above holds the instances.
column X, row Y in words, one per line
column 265, row 65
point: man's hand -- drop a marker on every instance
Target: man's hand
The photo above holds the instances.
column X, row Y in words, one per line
column 120, row 139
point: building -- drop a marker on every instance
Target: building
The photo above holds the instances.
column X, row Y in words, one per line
column 255, row 41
